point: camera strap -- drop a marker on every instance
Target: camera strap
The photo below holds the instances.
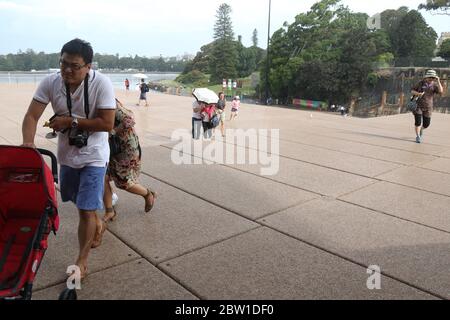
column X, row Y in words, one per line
column 86, row 97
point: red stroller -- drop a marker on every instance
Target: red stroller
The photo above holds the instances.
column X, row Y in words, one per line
column 28, row 213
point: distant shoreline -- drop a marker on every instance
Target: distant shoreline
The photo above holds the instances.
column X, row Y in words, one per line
column 117, row 78
column 102, row 71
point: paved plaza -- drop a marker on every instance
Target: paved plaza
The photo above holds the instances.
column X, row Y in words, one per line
column 349, row 193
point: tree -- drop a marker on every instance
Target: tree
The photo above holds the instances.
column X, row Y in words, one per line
column 410, row 37
column 439, row 6
column 26, row 61
column 327, row 54
column 444, row 50
column 390, row 21
column 414, row 38
column 201, row 61
column 224, row 54
column 255, row 38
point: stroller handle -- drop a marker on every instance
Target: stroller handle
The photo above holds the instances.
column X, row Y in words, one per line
column 54, row 162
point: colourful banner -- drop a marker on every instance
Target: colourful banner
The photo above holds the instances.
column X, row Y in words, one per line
column 308, row 103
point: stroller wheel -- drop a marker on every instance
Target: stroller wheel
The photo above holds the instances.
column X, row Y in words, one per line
column 68, row 294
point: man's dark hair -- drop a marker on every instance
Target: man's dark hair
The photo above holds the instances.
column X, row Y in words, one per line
column 79, row 47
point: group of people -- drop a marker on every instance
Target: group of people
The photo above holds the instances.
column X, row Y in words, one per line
column 90, row 121
column 87, row 114
column 203, row 114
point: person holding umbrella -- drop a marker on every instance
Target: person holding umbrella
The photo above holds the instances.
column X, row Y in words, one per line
column 204, row 108
column 197, row 119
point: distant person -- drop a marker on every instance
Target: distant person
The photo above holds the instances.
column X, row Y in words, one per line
column 143, row 87
column 235, row 106
column 220, row 110
column 127, row 84
column 125, row 164
column 425, row 90
column 207, row 114
column 197, row 119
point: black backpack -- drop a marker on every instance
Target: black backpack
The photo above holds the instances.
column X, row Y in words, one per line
column 145, row 88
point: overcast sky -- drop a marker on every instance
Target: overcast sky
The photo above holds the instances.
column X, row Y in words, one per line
column 150, row 28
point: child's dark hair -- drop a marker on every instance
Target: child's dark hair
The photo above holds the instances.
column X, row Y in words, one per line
column 79, row 47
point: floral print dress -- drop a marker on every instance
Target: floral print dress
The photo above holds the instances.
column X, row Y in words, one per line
column 124, row 168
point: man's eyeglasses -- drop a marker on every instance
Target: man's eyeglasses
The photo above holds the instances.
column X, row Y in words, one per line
column 73, row 66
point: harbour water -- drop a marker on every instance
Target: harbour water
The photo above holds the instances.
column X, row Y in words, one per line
column 116, row 78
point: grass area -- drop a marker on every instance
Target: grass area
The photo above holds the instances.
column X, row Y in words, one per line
column 246, row 90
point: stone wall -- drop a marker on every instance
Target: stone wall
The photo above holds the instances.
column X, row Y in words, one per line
column 393, row 89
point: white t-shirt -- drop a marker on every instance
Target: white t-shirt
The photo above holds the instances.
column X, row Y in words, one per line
column 101, row 96
column 196, row 115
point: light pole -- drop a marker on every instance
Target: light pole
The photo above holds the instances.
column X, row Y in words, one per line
column 268, row 56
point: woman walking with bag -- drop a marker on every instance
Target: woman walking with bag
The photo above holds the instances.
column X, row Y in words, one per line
column 125, row 163
column 425, row 90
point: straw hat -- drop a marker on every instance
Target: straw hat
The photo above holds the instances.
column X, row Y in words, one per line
column 430, row 74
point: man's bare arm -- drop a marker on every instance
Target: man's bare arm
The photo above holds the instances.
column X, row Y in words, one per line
column 103, row 121
column 30, row 121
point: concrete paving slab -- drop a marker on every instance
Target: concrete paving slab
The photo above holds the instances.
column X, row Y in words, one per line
column 135, row 280
column 445, row 154
column 314, row 178
column 11, row 131
column 338, row 160
column 401, row 249
column 404, row 140
column 178, row 223
column 406, row 143
column 63, row 251
column 440, row 164
column 364, row 150
column 265, row 264
column 415, row 205
column 423, row 179
column 316, row 155
column 303, row 175
column 250, row 196
column 394, row 127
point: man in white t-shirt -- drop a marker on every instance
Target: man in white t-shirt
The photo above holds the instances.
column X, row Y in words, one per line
column 84, row 104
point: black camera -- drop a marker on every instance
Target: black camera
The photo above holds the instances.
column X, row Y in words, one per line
column 78, row 138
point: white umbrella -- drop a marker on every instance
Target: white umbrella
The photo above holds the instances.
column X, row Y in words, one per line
column 140, row 76
column 205, row 95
